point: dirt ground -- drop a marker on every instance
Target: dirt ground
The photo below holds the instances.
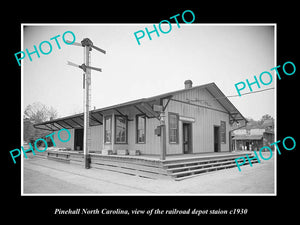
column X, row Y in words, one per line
column 42, row 176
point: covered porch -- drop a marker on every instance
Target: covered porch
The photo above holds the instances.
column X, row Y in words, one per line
column 247, row 142
column 114, row 130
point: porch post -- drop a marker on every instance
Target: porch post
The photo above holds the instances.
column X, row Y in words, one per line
column 163, row 144
column 230, row 141
column 113, row 132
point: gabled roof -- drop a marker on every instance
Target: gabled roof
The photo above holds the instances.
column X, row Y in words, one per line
column 144, row 106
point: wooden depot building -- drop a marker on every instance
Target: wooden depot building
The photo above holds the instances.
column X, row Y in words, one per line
column 198, row 119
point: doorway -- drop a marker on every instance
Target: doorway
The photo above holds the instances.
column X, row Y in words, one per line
column 247, row 145
column 187, row 138
column 216, row 138
column 78, row 139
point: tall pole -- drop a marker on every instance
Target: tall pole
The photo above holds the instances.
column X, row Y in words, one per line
column 88, row 45
column 86, row 104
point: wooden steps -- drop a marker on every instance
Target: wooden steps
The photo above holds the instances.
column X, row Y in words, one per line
column 185, row 168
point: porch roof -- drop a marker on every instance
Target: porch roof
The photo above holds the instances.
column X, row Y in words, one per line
column 142, row 106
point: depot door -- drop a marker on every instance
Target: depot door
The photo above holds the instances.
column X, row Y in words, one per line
column 78, row 139
column 216, row 138
column 187, row 138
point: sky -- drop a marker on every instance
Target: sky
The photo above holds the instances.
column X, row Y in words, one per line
column 204, row 53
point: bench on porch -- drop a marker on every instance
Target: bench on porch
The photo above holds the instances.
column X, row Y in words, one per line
column 121, row 152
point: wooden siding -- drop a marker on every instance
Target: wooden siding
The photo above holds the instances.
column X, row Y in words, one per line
column 205, row 119
column 152, row 145
column 97, row 138
column 64, row 136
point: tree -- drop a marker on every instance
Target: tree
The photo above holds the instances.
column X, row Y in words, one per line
column 38, row 112
column 264, row 118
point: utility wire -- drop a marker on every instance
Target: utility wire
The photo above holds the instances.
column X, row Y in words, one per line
column 252, row 92
column 231, row 96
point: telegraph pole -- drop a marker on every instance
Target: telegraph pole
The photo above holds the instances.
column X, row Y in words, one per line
column 88, row 45
column 86, row 106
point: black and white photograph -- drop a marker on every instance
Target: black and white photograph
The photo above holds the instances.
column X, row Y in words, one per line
column 178, row 113
column 149, row 112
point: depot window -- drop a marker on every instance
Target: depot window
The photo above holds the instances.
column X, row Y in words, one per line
column 120, row 129
column 107, row 129
column 173, row 128
column 141, row 129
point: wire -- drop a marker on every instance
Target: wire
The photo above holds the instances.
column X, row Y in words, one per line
column 252, row 92
column 231, row 96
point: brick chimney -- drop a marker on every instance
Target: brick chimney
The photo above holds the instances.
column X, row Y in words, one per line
column 188, row 84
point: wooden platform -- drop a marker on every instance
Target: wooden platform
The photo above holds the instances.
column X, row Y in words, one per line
column 177, row 167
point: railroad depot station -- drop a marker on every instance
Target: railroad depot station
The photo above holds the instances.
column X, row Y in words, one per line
column 127, row 138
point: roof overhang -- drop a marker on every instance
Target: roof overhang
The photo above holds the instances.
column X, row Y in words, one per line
column 141, row 106
column 68, row 122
